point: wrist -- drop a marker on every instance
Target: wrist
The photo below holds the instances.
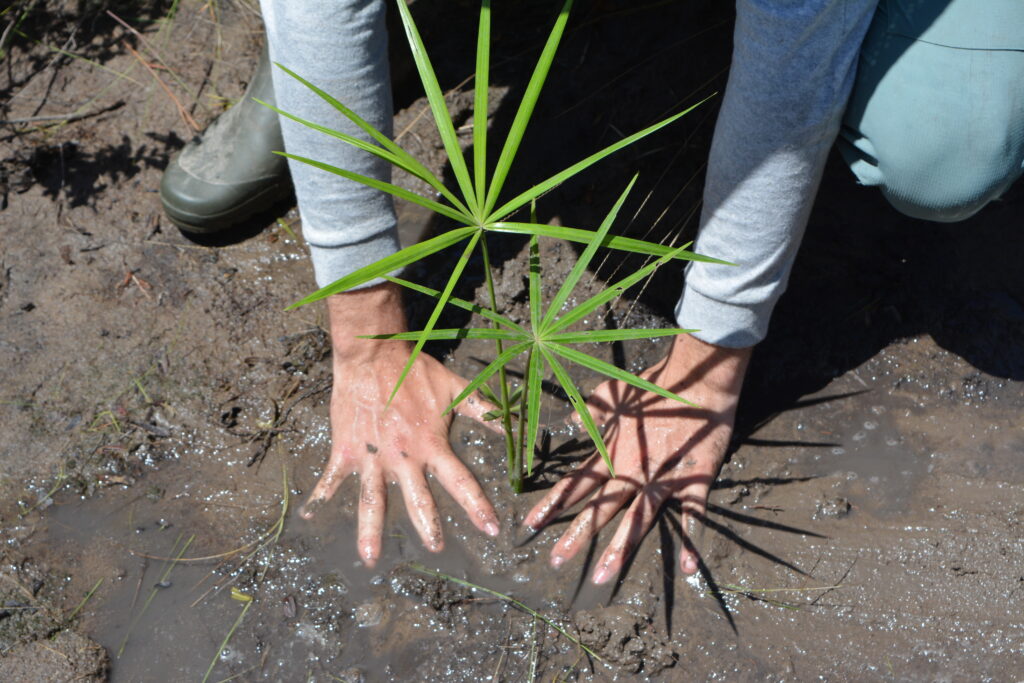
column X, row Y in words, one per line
column 369, row 311
column 720, row 368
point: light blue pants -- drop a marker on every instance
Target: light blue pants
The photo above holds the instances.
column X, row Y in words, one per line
column 936, row 118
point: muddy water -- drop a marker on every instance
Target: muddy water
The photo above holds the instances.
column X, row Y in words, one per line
column 856, row 535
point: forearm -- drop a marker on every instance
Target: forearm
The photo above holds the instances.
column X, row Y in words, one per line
column 793, row 67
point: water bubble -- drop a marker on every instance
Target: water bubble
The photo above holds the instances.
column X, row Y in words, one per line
column 870, row 424
column 860, row 436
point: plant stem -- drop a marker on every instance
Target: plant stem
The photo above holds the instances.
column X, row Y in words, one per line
column 515, row 478
column 521, row 446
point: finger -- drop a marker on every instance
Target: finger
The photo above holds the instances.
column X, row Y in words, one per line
column 694, row 498
column 460, row 483
column 591, row 519
column 419, row 503
column 373, row 499
column 338, row 469
column 570, row 490
column 634, row 526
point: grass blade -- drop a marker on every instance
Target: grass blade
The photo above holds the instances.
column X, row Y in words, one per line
column 227, row 638
column 614, row 372
column 480, row 106
column 415, row 168
column 163, row 580
column 561, row 177
column 436, row 313
column 526, row 106
column 616, row 335
column 461, row 303
column 535, row 301
column 533, row 386
column 452, row 333
column 501, row 361
column 610, row 241
column 390, row 263
column 584, row 309
column 438, row 106
column 395, row 190
column 87, row 598
column 583, row 261
column 579, row 405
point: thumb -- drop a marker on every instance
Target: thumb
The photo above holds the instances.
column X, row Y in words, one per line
column 476, row 407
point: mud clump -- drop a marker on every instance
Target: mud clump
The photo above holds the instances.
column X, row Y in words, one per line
column 66, row 657
column 835, row 507
column 434, row 592
column 34, row 643
column 622, row 638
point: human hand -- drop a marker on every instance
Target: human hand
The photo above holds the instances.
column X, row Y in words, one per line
column 402, row 443
column 660, row 449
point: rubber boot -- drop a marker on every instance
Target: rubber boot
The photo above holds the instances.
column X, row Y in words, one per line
column 230, row 173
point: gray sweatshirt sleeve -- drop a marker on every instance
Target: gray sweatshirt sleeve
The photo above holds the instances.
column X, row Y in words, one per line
column 341, row 47
column 792, row 71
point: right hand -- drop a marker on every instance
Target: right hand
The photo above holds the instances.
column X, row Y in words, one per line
column 402, row 443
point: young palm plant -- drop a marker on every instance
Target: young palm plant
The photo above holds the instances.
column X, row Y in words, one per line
column 475, row 209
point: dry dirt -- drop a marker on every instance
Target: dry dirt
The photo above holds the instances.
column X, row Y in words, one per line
column 157, row 402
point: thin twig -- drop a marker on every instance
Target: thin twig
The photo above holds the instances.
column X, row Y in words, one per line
column 186, row 117
column 64, row 118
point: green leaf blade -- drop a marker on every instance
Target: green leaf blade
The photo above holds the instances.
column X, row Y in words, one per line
column 446, row 334
column 614, row 372
column 583, row 261
column 436, row 313
column 599, row 336
column 409, row 162
column 461, row 303
column 500, row 362
column 439, row 107
column 389, row 264
column 535, row 301
column 580, row 405
column 480, row 103
column 578, row 167
column 526, row 107
column 612, row 291
column 391, row 189
column 610, row 241
column 533, row 387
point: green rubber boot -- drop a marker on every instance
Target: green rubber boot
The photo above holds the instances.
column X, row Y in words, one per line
column 229, row 173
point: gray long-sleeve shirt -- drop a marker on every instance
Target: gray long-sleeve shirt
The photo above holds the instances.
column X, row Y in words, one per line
column 792, row 71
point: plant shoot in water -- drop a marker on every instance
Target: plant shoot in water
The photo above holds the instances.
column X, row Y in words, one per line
column 477, row 212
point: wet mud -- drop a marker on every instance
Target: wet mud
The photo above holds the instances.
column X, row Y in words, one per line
column 163, row 416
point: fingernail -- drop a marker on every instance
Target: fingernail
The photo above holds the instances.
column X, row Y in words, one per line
column 690, row 565
column 491, row 529
column 602, row 574
column 557, row 561
column 369, row 557
column 308, row 511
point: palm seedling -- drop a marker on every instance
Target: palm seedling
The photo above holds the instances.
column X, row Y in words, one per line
column 476, row 211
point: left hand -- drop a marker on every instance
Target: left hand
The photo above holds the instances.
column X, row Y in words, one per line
column 660, row 449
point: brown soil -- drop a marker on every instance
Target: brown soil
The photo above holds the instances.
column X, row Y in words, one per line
column 869, row 524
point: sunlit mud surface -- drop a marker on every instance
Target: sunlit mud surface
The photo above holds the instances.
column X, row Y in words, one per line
column 163, row 416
